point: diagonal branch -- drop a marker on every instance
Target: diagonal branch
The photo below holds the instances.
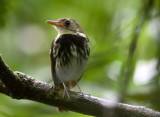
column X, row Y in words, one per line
column 21, row 86
column 3, row 89
column 128, row 68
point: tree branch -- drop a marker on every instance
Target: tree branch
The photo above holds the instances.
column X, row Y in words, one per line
column 3, row 89
column 21, row 86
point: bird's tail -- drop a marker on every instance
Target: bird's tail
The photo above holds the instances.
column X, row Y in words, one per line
column 61, row 109
column 70, row 85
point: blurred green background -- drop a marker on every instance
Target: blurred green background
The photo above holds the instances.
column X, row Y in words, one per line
column 124, row 64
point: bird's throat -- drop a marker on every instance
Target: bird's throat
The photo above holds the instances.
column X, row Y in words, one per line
column 62, row 31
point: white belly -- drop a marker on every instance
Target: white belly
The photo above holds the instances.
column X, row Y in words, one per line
column 72, row 71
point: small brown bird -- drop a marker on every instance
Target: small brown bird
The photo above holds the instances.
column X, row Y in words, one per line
column 69, row 54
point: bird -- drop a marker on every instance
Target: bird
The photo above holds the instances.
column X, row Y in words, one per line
column 69, row 54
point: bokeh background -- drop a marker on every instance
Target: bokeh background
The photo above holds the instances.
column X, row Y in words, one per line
column 124, row 64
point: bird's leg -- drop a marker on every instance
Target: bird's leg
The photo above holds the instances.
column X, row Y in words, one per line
column 65, row 90
column 79, row 88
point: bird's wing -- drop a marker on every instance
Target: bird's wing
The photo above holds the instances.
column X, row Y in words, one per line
column 53, row 63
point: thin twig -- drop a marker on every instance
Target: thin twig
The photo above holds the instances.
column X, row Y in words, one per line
column 127, row 70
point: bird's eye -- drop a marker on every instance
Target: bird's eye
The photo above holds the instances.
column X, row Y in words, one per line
column 67, row 23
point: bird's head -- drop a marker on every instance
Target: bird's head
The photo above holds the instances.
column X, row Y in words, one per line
column 66, row 26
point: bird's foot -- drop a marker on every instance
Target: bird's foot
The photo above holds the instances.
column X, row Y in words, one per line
column 81, row 93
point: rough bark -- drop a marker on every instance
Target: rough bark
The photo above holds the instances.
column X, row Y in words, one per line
column 18, row 85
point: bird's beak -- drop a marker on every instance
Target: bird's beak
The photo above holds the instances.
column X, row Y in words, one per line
column 55, row 23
